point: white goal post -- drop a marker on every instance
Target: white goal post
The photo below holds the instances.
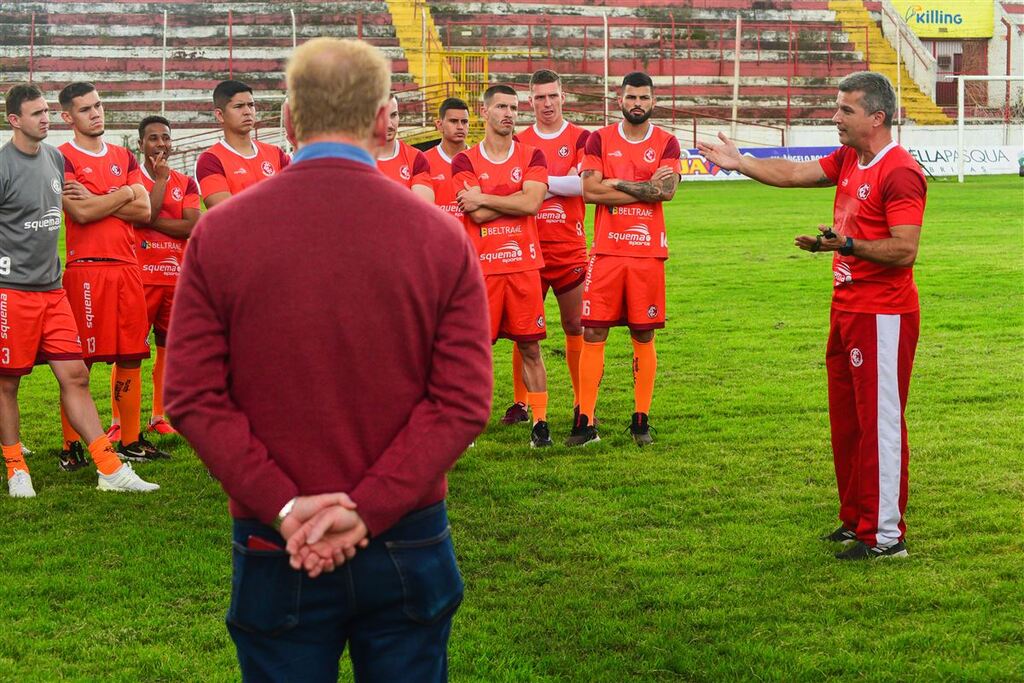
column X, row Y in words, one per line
column 960, row 145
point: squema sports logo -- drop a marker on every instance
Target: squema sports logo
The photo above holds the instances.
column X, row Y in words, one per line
column 920, row 15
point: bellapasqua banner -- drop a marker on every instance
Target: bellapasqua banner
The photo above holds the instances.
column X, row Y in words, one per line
column 948, row 18
column 696, row 167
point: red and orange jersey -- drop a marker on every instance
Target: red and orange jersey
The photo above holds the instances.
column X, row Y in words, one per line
column 889, row 191
column 102, row 173
column 222, row 169
column 560, row 219
column 508, row 244
column 636, row 229
column 443, row 181
column 407, row 166
column 159, row 254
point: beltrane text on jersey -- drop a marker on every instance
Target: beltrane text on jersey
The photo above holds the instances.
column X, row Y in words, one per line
column 634, row 211
column 501, row 230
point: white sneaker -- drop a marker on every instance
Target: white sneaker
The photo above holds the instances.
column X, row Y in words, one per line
column 125, row 479
column 20, row 485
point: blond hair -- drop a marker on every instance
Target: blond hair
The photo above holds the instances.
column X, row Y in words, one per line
column 336, row 86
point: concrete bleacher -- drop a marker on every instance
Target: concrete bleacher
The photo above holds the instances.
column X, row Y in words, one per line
column 791, row 51
column 119, row 47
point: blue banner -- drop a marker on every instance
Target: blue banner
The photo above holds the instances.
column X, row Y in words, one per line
column 696, row 167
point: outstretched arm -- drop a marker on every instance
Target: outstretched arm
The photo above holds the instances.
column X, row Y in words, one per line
column 776, row 172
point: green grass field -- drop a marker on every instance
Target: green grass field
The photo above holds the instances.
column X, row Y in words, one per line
column 696, row 559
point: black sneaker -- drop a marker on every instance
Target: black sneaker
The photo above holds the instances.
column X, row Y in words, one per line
column 516, row 413
column 576, row 416
column 640, row 429
column 154, row 452
column 540, row 437
column 841, row 535
column 73, row 458
column 582, row 433
column 861, row 551
column 140, row 451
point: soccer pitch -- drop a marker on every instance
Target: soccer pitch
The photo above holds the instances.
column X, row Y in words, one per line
column 695, row 559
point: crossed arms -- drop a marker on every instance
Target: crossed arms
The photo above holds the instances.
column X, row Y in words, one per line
column 129, row 203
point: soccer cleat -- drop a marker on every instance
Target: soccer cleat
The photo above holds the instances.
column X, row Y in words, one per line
column 640, row 429
column 20, row 485
column 515, row 413
column 582, row 433
column 160, row 426
column 862, row 551
column 114, row 433
column 125, row 479
column 73, row 458
column 540, row 437
column 841, row 535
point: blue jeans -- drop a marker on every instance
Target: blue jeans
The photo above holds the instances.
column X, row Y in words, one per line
column 392, row 604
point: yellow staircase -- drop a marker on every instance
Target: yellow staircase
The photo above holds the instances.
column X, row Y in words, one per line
column 916, row 105
column 408, row 18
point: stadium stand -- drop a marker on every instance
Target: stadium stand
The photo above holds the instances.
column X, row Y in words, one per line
column 119, row 47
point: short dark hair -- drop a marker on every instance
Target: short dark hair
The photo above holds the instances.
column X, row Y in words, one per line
column 449, row 104
column 878, row 93
column 18, row 95
column 637, row 79
column 225, row 90
column 151, row 120
column 544, row 76
column 73, row 90
column 500, row 89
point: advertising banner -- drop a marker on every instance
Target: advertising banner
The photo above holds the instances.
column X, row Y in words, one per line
column 696, row 167
column 948, row 18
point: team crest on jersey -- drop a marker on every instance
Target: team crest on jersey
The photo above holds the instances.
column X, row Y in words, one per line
column 856, row 358
column 563, row 151
column 177, row 194
column 649, row 155
column 55, row 185
column 116, row 170
column 267, row 168
column 863, row 192
column 516, row 175
column 540, row 322
column 405, row 173
column 652, row 312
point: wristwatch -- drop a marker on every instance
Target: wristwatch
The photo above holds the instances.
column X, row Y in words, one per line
column 285, row 511
column 847, row 249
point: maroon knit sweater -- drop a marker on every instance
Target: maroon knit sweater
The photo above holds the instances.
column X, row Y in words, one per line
column 329, row 333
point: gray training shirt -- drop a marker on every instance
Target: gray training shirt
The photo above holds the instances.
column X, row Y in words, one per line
column 30, row 214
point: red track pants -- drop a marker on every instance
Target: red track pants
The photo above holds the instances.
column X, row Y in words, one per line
column 869, row 359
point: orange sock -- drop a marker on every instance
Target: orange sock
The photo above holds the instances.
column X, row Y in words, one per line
column 14, row 459
column 538, row 402
column 115, row 418
column 158, row 381
column 573, row 347
column 519, row 391
column 104, row 456
column 70, row 435
column 128, row 396
column 591, row 370
column 645, row 366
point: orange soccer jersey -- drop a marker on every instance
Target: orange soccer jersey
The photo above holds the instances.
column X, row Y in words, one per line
column 560, row 219
column 222, row 169
column 508, row 244
column 407, row 166
column 159, row 254
column 109, row 238
column 636, row 229
column 443, row 182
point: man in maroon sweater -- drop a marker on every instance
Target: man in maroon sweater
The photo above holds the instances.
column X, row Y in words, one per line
column 330, row 337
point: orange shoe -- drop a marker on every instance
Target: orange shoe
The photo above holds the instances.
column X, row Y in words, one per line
column 160, row 426
column 114, row 433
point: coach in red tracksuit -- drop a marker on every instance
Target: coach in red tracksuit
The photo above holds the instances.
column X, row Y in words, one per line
column 878, row 212
column 329, row 344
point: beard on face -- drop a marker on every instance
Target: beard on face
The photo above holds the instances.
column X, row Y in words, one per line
column 637, row 118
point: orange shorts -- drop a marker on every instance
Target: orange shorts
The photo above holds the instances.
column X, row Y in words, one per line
column 624, row 290
column 516, row 306
column 109, row 304
column 158, row 310
column 35, row 327
column 565, row 267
